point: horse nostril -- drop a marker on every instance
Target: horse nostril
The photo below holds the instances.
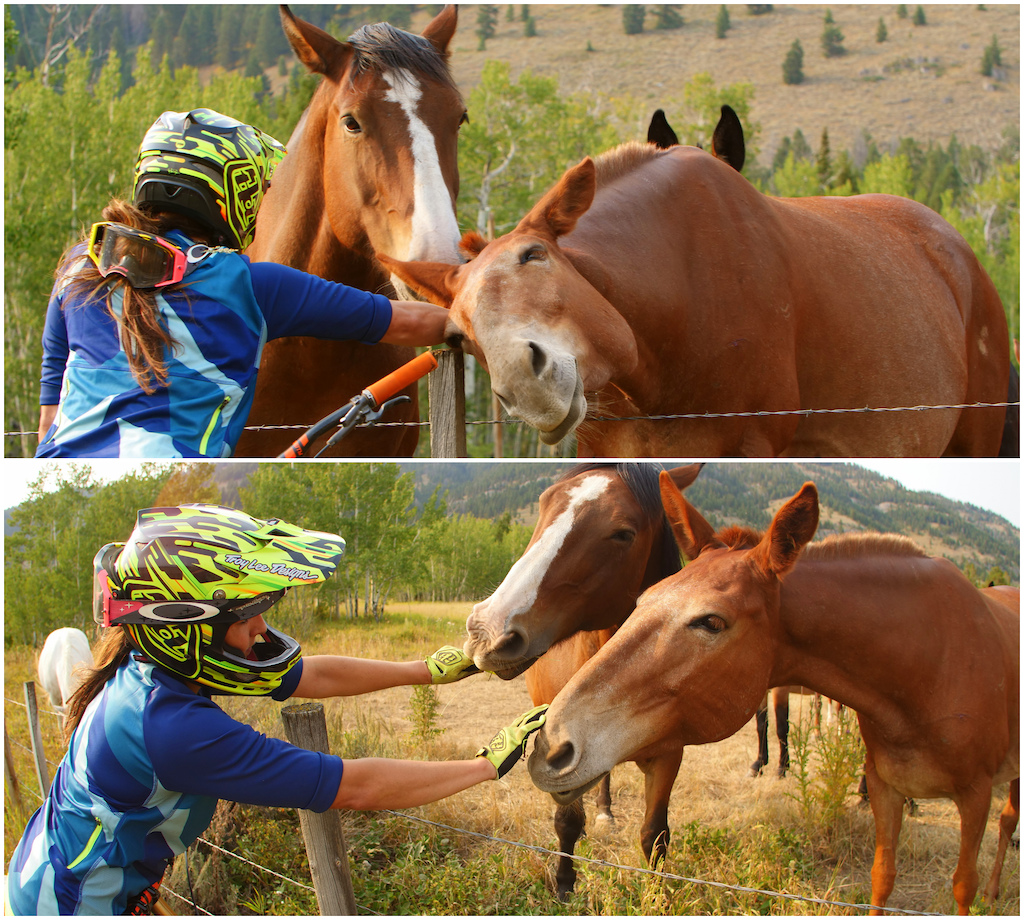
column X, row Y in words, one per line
column 562, row 757
column 512, row 645
column 538, row 358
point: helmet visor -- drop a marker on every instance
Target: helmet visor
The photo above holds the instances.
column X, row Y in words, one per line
column 147, row 261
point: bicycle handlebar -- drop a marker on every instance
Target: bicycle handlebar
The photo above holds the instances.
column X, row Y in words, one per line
column 373, row 397
column 399, row 379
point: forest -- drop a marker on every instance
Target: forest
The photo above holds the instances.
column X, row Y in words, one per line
column 82, row 84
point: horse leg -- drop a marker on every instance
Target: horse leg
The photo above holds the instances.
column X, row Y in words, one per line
column 887, row 808
column 974, row 806
column 780, row 697
column 604, row 802
column 762, row 739
column 659, row 776
column 569, row 823
column 1007, row 825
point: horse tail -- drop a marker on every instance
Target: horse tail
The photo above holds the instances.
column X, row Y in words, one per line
column 1010, row 445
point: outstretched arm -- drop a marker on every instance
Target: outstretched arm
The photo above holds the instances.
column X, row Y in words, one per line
column 336, row 675
column 414, row 322
column 372, row 782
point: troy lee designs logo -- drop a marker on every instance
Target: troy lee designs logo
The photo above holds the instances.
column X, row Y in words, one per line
column 277, row 568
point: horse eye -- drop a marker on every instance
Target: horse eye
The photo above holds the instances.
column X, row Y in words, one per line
column 464, row 120
column 624, row 536
column 350, row 124
column 533, row 254
column 710, row 623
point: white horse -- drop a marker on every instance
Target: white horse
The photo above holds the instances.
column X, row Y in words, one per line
column 65, row 653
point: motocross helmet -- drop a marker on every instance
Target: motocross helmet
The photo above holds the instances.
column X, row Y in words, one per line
column 188, row 573
column 208, row 167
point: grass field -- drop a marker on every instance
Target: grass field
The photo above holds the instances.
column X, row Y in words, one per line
column 726, row 826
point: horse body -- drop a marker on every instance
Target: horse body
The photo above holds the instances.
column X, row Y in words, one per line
column 660, row 282
column 601, row 539
column 371, row 167
column 930, row 664
column 65, row 652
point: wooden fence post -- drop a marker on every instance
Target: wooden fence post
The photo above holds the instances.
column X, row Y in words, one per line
column 42, row 773
column 447, row 396
column 306, row 726
column 11, row 776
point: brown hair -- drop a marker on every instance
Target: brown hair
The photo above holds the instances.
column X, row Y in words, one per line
column 112, row 653
column 144, row 338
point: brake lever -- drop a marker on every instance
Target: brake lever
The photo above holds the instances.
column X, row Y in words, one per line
column 375, row 415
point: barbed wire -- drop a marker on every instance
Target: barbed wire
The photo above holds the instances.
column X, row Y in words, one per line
column 649, row 418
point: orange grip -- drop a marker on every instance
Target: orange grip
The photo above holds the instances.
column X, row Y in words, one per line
column 399, row 379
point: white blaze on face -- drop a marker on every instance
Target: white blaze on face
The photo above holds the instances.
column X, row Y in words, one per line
column 435, row 232
column 523, row 581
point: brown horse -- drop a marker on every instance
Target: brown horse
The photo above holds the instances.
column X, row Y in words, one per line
column 930, row 664
column 371, row 167
column 650, row 283
column 600, row 540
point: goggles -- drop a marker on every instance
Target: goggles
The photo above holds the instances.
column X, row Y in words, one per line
column 145, row 260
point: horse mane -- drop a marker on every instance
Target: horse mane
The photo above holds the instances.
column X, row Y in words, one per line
column 835, row 546
column 380, row 46
column 624, row 159
column 642, row 481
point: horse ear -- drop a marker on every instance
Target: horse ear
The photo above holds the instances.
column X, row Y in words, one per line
column 565, row 203
column 693, row 534
column 727, row 142
column 472, row 244
column 684, row 476
column 790, row 531
column 660, row 132
column 433, row 280
column 441, row 28
column 317, row 50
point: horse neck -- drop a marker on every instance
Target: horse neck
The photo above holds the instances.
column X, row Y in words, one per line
column 846, row 629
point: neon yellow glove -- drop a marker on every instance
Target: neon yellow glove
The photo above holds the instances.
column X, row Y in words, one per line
column 449, row 664
column 507, row 746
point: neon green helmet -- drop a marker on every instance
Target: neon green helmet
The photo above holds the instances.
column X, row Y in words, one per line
column 208, row 167
column 187, row 574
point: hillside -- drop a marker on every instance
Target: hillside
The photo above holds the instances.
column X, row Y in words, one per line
column 922, row 82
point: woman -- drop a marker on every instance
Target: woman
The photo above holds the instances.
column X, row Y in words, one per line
column 150, row 753
column 156, row 322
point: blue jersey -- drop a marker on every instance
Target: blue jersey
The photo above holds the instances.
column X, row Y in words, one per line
column 221, row 316
column 139, row 783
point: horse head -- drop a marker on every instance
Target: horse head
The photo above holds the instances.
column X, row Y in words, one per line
column 601, row 538
column 691, row 664
column 564, row 341
column 377, row 144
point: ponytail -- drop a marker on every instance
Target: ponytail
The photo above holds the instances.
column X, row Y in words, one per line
column 113, row 652
column 145, row 339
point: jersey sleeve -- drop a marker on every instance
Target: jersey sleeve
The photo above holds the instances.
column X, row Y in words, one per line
column 297, row 303
column 198, row 749
column 55, row 336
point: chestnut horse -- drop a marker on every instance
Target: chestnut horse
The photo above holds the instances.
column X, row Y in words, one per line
column 600, row 540
column 371, row 167
column 930, row 664
column 651, row 286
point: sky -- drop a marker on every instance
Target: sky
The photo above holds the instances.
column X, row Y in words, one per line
column 990, row 484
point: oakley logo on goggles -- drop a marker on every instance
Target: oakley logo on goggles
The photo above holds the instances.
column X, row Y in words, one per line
column 147, row 261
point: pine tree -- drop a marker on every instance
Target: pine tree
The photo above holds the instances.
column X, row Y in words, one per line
column 722, row 24
column 666, row 16
column 992, row 58
column 486, row 24
column 824, row 161
column 633, row 18
column 919, row 19
column 901, row 11
column 793, row 66
column 881, row 33
column 832, row 38
column 530, row 27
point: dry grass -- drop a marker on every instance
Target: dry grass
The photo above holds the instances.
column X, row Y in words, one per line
column 940, row 95
column 713, row 794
